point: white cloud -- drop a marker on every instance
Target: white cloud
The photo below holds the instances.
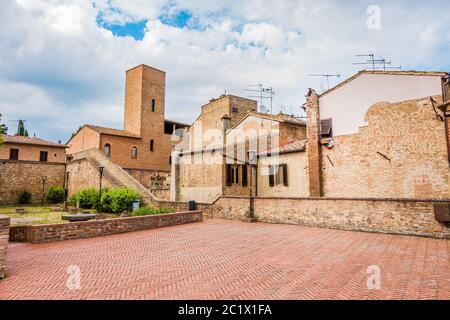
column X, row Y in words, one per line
column 57, row 63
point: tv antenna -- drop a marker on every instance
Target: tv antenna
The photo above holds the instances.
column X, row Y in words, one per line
column 328, row 76
column 263, row 93
column 376, row 63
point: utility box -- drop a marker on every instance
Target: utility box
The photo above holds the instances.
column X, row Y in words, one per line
column 136, row 205
column 442, row 212
column 192, row 206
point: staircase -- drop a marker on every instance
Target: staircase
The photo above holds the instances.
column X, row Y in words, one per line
column 114, row 174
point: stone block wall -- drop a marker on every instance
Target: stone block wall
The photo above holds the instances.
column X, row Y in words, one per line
column 77, row 230
column 401, row 153
column 396, row 216
column 19, row 176
column 4, row 236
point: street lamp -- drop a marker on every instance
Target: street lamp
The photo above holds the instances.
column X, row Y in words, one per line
column 99, row 207
column 252, row 160
column 66, row 190
column 44, row 178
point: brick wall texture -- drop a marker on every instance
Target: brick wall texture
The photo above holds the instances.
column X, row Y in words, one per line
column 406, row 217
column 19, row 176
column 401, row 153
column 4, row 236
column 88, row 229
column 33, row 152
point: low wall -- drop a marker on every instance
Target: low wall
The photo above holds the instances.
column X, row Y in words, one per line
column 19, row 176
column 88, row 229
column 396, row 216
column 161, row 194
column 4, row 235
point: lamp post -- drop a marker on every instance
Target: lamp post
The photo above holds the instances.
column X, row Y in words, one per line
column 44, row 178
column 99, row 207
column 252, row 159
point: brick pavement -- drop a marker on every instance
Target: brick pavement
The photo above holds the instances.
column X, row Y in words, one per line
column 220, row 259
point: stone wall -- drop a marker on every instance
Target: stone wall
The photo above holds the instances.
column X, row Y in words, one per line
column 396, row 216
column 77, row 230
column 19, row 176
column 161, row 194
column 401, row 153
column 4, row 236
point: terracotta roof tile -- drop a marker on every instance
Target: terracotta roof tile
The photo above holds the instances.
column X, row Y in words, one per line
column 111, row 131
column 32, row 141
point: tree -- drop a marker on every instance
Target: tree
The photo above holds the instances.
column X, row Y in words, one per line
column 21, row 128
column 3, row 127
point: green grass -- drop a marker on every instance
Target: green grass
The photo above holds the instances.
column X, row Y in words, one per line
column 28, row 209
column 147, row 211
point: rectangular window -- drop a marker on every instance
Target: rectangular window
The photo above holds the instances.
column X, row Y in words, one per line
column 235, row 110
column 232, row 174
column 326, row 128
column 278, row 175
column 43, row 157
column 153, row 105
column 244, row 176
column 13, row 154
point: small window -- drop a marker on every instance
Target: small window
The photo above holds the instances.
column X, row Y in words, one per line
column 278, row 175
column 134, row 153
column 153, row 105
column 43, row 157
column 152, row 145
column 13, row 154
column 107, row 150
column 235, row 110
column 232, row 175
column 170, row 159
column 326, row 128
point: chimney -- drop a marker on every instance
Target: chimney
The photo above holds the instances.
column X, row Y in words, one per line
column 314, row 147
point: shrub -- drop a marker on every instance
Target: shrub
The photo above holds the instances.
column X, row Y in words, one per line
column 118, row 200
column 85, row 199
column 55, row 194
column 25, row 197
column 147, row 211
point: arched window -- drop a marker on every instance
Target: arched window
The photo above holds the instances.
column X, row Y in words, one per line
column 152, row 145
column 107, row 150
column 134, row 153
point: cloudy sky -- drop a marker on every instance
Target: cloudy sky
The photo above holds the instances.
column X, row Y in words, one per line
column 62, row 62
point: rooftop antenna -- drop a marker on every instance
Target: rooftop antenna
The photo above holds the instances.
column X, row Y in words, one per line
column 370, row 61
column 328, row 76
column 264, row 93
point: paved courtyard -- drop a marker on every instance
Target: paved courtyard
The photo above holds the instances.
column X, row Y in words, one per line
column 220, row 259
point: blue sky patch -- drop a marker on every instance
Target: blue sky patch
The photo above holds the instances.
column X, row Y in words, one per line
column 129, row 29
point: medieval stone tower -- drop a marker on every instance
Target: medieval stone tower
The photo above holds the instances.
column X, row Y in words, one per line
column 145, row 102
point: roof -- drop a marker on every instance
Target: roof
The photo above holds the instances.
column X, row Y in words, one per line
column 32, row 141
column 111, row 131
column 177, row 122
column 289, row 147
column 280, row 117
column 145, row 66
column 381, row 72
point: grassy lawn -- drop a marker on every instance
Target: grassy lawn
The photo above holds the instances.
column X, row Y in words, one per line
column 36, row 215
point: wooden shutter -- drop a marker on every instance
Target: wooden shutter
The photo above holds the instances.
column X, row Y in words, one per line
column 271, row 176
column 14, row 154
column 237, row 174
column 244, row 176
column 43, row 156
column 285, row 175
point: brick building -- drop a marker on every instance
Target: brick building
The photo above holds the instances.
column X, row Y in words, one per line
column 29, row 164
column 378, row 134
column 143, row 147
